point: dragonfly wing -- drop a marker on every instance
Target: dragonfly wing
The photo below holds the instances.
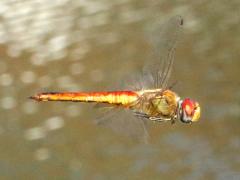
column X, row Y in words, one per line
column 124, row 122
column 163, row 39
column 137, row 81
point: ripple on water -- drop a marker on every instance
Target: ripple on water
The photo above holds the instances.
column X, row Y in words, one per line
column 28, row 77
column 30, row 107
column 8, row 102
column 73, row 110
column 6, row 79
column 54, row 123
column 3, row 34
column 35, row 133
column 42, row 154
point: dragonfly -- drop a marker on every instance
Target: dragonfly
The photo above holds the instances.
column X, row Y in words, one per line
column 153, row 100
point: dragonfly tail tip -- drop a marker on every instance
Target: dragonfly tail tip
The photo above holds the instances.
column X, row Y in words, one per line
column 34, row 97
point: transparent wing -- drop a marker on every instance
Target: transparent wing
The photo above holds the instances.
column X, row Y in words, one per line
column 163, row 38
column 124, row 122
column 137, row 81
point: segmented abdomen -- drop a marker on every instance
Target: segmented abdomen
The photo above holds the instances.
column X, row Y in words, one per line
column 114, row 97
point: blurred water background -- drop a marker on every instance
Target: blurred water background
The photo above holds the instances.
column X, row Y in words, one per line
column 73, row 45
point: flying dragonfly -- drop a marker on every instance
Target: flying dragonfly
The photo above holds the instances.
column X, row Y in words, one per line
column 152, row 99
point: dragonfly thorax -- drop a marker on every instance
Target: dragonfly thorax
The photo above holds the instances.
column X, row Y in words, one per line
column 160, row 104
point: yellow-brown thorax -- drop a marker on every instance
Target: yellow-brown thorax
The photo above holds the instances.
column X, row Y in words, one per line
column 157, row 103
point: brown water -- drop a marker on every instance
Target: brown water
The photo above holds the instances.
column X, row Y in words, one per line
column 88, row 45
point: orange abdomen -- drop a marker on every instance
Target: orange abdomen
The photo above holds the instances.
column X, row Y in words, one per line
column 114, row 97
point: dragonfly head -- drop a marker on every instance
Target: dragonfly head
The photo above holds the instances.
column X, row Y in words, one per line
column 189, row 110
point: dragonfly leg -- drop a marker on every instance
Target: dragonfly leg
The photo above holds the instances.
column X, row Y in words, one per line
column 174, row 119
column 141, row 115
column 156, row 119
column 159, row 119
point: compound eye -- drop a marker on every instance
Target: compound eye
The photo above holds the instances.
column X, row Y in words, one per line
column 190, row 111
column 188, row 106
